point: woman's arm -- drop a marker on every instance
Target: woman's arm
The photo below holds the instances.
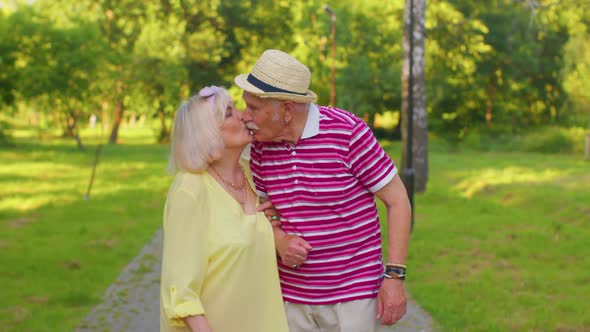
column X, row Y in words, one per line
column 197, row 323
column 184, row 255
column 292, row 249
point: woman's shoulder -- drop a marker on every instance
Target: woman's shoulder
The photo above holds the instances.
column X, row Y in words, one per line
column 194, row 183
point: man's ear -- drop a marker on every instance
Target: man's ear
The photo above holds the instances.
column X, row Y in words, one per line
column 289, row 108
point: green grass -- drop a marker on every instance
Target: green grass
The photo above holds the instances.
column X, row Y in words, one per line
column 60, row 252
column 500, row 242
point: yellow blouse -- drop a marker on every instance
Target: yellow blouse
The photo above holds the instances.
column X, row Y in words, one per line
column 217, row 261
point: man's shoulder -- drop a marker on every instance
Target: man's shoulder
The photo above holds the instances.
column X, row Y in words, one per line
column 337, row 116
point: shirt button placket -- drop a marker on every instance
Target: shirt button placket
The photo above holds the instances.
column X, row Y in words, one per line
column 293, row 153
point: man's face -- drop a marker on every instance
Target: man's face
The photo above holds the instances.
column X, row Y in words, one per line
column 263, row 117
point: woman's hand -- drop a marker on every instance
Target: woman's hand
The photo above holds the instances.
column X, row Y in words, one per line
column 270, row 212
column 197, row 323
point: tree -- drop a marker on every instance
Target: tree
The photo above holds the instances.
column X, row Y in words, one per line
column 576, row 72
column 371, row 58
column 54, row 65
column 8, row 46
column 415, row 55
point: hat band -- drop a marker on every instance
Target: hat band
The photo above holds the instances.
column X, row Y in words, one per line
column 268, row 88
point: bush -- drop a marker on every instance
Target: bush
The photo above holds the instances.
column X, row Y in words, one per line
column 540, row 140
column 548, row 140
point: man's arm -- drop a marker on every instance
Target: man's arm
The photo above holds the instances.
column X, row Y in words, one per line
column 391, row 301
column 292, row 248
column 399, row 219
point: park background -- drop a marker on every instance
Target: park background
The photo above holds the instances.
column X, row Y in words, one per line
column 88, row 91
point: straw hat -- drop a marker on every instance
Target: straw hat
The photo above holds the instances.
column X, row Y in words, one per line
column 278, row 75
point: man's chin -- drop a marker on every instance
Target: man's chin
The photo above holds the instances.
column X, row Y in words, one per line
column 261, row 138
column 257, row 137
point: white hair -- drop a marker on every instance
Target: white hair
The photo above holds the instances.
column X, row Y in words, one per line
column 196, row 140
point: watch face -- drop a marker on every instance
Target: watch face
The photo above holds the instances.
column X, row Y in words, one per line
column 399, row 272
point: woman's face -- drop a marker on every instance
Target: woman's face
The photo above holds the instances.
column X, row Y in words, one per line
column 233, row 130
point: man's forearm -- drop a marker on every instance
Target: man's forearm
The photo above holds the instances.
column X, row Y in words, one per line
column 398, row 234
column 399, row 219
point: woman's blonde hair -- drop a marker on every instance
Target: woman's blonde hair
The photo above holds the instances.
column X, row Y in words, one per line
column 196, row 140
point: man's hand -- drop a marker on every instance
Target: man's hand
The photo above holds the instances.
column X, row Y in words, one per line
column 292, row 249
column 391, row 301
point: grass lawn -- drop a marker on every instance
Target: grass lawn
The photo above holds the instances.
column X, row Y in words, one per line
column 500, row 241
column 59, row 252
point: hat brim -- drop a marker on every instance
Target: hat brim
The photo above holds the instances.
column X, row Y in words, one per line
column 242, row 82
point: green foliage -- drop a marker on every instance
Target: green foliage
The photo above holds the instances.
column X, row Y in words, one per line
column 500, row 63
column 555, row 140
column 507, row 64
column 576, row 72
column 7, row 59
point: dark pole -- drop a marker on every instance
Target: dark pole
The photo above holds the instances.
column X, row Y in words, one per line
column 409, row 172
column 333, row 27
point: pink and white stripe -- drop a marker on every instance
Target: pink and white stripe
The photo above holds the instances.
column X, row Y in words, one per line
column 323, row 187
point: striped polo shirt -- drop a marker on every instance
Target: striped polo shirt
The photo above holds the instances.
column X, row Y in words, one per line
column 323, row 188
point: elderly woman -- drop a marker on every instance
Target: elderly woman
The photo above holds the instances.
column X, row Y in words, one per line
column 219, row 265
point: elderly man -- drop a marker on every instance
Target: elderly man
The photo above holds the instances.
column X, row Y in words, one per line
column 321, row 167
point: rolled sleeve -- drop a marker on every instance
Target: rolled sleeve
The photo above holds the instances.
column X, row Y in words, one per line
column 368, row 161
column 184, row 255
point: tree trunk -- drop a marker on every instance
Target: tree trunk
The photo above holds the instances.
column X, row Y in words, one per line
column 118, row 113
column 164, row 136
column 420, row 129
column 71, row 131
column 396, row 132
column 369, row 119
column 68, row 127
column 116, row 122
column 489, row 104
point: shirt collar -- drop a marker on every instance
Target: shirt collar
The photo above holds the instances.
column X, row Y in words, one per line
column 312, row 126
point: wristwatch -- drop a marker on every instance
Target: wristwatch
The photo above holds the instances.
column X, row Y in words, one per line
column 395, row 272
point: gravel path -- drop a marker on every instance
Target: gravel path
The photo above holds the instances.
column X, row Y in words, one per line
column 132, row 302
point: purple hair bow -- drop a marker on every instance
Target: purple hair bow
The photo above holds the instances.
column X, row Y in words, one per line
column 209, row 93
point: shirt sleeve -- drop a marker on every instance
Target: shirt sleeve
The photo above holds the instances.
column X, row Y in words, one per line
column 184, row 255
column 368, row 161
column 255, row 168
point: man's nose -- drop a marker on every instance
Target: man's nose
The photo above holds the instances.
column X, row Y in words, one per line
column 246, row 115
